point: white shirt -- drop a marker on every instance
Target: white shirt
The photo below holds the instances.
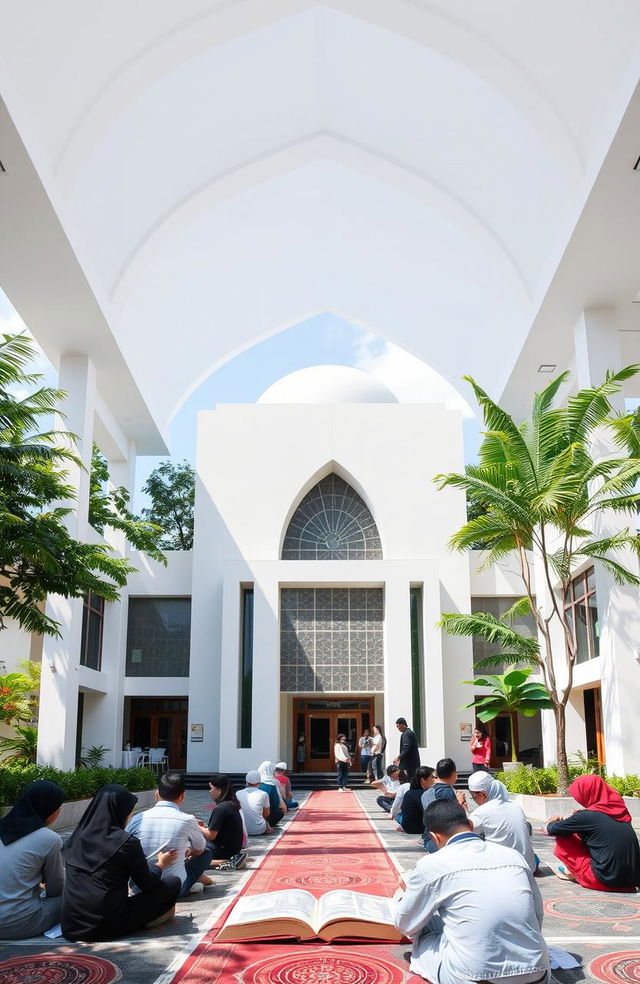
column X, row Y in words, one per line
column 504, row 823
column 489, row 909
column 252, row 802
column 391, row 785
column 396, row 806
column 165, row 823
column 341, row 752
column 376, row 747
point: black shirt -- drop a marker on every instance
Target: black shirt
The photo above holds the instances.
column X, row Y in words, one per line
column 412, row 812
column 409, row 755
column 612, row 844
column 227, row 821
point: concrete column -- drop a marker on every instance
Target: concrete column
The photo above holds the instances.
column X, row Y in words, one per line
column 397, row 660
column 597, row 350
column 60, row 657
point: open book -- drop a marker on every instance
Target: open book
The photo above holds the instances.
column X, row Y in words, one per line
column 296, row 913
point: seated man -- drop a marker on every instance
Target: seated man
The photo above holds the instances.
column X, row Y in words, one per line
column 497, row 819
column 442, row 789
column 474, row 911
column 280, row 773
column 390, row 784
column 166, row 827
column 255, row 805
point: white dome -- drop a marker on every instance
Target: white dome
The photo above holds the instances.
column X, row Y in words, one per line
column 328, row 384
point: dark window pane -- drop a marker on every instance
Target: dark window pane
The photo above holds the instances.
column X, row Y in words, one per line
column 582, row 639
column 246, row 669
column 417, row 664
column 158, row 637
column 92, row 622
column 594, row 626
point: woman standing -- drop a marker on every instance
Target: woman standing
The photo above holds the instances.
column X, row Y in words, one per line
column 480, row 750
column 597, row 846
column 377, row 749
column 270, row 785
column 31, row 856
column 224, row 833
column 100, row 858
column 343, row 761
column 365, row 744
column 301, row 752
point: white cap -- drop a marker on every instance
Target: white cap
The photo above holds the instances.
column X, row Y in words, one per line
column 252, row 777
column 282, row 766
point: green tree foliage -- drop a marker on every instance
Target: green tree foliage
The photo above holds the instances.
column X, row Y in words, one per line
column 512, row 693
column 545, row 486
column 21, row 748
column 110, row 507
column 38, row 556
column 171, row 489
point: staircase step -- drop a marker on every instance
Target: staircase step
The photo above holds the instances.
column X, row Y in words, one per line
column 300, row 780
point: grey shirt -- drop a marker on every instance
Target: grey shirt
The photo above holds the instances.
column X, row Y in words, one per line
column 23, row 865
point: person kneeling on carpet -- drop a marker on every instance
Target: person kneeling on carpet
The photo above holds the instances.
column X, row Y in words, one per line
column 280, row 772
column 100, row 857
column 31, row 856
column 474, row 911
column 224, row 833
column 597, row 846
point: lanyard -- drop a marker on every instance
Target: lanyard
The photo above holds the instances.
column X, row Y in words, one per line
column 460, row 837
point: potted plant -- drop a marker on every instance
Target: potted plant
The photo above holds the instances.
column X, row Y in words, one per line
column 511, row 692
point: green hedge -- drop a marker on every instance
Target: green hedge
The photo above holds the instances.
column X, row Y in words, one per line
column 539, row 781
column 81, row 784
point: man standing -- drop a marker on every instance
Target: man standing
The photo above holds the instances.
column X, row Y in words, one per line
column 408, row 756
column 474, row 910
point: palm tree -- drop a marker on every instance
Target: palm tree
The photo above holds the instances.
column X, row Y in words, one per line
column 542, row 486
column 513, row 693
column 23, row 746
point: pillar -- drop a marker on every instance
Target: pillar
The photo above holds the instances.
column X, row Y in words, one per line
column 60, row 656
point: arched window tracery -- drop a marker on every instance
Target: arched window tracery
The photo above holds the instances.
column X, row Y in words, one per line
column 332, row 522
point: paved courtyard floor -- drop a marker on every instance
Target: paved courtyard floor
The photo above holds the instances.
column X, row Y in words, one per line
column 602, row 930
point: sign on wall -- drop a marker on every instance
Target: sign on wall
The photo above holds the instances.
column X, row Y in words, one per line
column 466, row 730
column 197, row 732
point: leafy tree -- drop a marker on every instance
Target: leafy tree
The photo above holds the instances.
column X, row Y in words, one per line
column 110, row 507
column 513, row 693
column 15, row 695
column 22, row 746
column 545, row 486
column 38, row 556
column 172, row 492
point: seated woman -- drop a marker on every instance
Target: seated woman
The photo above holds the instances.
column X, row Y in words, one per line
column 270, row 785
column 411, row 818
column 225, row 832
column 31, row 856
column 100, row 858
column 597, row 846
column 280, row 773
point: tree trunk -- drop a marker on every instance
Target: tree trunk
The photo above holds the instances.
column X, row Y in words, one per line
column 559, row 713
column 512, row 726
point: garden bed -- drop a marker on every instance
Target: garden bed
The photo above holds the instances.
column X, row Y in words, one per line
column 543, row 807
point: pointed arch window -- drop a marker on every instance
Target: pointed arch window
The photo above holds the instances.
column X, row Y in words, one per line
column 332, row 523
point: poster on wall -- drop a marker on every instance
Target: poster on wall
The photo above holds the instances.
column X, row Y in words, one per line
column 197, row 732
column 466, row 730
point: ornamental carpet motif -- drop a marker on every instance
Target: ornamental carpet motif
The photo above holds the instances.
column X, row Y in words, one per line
column 57, row 968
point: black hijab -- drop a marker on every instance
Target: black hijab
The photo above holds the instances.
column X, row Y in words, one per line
column 38, row 801
column 100, row 832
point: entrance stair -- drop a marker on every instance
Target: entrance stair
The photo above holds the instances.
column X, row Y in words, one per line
column 300, row 780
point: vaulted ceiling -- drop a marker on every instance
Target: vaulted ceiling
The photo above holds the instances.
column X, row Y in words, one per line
column 222, row 170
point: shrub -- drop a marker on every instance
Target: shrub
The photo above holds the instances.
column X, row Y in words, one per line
column 81, row 784
column 538, row 781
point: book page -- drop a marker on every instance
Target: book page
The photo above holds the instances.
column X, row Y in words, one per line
column 341, row 904
column 292, row 904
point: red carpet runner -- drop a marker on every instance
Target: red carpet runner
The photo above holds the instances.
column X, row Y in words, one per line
column 330, row 844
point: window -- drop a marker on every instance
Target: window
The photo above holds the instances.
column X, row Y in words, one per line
column 417, row 664
column 581, row 610
column 92, row 624
column 497, row 606
column 246, row 668
column 158, row 637
column 332, row 523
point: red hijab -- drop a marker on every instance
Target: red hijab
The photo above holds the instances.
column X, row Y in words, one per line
column 592, row 793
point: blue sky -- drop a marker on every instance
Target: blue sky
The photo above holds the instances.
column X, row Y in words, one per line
column 324, row 339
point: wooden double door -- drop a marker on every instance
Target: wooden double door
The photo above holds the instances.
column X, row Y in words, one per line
column 160, row 722
column 318, row 722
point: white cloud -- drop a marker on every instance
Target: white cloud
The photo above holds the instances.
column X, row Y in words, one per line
column 408, row 377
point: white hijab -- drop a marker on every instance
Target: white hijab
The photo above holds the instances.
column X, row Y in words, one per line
column 266, row 773
column 483, row 782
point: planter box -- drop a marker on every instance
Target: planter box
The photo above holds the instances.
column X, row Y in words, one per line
column 71, row 811
column 545, row 807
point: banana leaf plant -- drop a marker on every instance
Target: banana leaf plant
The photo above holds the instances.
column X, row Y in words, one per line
column 512, row 693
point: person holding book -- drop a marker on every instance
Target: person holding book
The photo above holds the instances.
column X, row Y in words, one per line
column 31, row 869
column 343, row 761
column 497, row 819
column 224, row 832
column 270, row 785
column 255, row 805
column 389, row 786
column 473, row 910
column 365, row 744
column 411, row 818
column 597, row 845
column 280, row 772
column 101, row 857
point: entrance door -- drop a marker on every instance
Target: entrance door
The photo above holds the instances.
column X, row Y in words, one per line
column 593, row 724
column 161, row 723
column 317, row 722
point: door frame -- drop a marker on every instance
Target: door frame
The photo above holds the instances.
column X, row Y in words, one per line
column 176, row 761
column 298, row 706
